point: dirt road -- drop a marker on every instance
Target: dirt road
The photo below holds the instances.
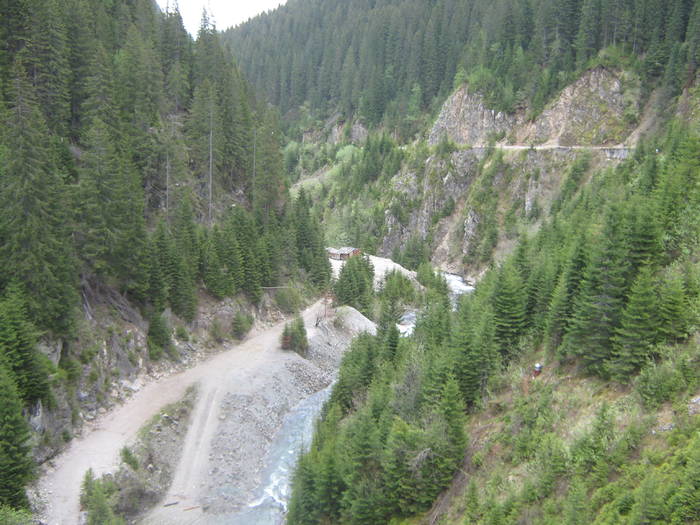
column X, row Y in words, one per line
column 98, row 448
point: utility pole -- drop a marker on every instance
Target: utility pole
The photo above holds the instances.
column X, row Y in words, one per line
column 167, row 184
column 211, row 149
column 167, row 170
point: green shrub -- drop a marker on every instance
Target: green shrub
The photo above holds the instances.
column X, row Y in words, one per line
column 241, row 324
column 88, row 354
column 72, row 369
column 129, row 458
column 288, row 300
column 294, row 337
column 658, row 383
column 216, row 331
column 10, row 516
column 181, row 333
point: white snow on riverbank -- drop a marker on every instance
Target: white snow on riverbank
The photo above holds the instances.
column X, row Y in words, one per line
column 382, row 266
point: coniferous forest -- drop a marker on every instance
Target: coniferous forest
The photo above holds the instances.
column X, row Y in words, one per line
column 133, row 159
column 389, row 60
column 151, row 170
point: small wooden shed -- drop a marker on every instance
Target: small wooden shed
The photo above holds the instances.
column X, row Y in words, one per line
column 342, row 254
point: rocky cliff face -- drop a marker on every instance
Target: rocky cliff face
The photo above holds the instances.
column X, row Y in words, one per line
column 601, row 108
column 443, row 181
column 108, row 361
column 494, row 193
column 465, row 119
column 469, row 207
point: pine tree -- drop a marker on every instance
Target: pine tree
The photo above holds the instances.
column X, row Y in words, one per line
column 157, row 291
column 477, row 357
column 391, row 342
column 685, row 504
column 18, row 348
column 509, row 303
column 329, row 485
column 230, row 255
column 37, row 251
column 402, row 487
column 48, row 69
column 599, row 303
column 452, row 409
column 672, row 309
column 15, row 464
column 183, row 293
column 638, row 329
column 558, row 314
column 95, row 193
column 576, row 510
column 99, row 89
column 214, row 273
column 205, row 137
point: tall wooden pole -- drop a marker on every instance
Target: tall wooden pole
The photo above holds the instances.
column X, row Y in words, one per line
column 211, row 152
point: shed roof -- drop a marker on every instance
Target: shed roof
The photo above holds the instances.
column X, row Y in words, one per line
column 345, row 250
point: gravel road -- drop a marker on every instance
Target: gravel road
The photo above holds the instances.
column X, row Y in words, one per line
column 239, row 369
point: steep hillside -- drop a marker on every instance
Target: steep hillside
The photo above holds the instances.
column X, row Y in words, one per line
column 563, row 449
column 141, row 197
column 604, row 288
column 600, row 108
column 387, row 61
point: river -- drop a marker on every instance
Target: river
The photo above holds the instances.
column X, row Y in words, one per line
column 295, row 435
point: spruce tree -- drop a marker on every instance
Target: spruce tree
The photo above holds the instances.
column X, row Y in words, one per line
column 48, row 67
column 685, row 504
column 402, row 487
column 638, row 329
column 18, row 350
column 672, row 309
column 599, row 304
column 391, row 343
column 36, row 252
column 15, row 464
column 452, row 409
column 214, row 273
column 509, row 303
column 157, row 291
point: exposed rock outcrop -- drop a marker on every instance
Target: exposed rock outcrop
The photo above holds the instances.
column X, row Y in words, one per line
column 465, row 119
column 601, row 108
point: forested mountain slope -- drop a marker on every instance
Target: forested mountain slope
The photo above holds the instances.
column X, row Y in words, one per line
column 138, row 176
column 386, row 60
column 604, row 290
column 562, row 173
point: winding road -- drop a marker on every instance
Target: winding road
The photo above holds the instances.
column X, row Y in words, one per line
column 245, row 365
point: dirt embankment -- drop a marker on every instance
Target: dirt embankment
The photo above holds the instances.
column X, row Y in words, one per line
column 240, row 410
column 243, row 393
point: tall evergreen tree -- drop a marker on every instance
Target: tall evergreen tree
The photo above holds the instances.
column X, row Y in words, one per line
column 638, row 329
column 48, row 63
column 15, row 464
column 599, row 304
column 18, row 352
column 35, row 252
column 509, row 303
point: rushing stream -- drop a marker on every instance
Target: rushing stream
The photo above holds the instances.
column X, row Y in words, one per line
column 295, row 435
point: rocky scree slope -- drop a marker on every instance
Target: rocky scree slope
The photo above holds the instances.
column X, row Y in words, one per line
column 601, row 108
column 502, row 173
